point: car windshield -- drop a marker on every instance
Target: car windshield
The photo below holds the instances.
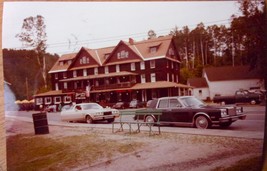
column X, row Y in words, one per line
column 91, row 106
column 192, row 102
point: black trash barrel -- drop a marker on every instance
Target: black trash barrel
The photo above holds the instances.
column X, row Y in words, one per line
column 40, row 123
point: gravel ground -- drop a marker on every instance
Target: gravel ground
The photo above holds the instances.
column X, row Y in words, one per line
column 168, row 151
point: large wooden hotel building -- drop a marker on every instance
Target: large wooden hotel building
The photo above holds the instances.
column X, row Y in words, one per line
column 130, row 70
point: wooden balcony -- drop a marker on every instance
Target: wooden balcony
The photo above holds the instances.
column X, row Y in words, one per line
column 102, row 87
column 114, row 86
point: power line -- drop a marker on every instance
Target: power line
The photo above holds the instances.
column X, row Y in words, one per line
column 126, row 36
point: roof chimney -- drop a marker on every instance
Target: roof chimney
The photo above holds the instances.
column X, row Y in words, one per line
column 131, row 41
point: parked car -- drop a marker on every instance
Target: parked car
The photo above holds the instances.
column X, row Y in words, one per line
column 51, row 108
column 120, row 105
column 136, row 104
column 189, row 111
column 240, row 96
column 89, row 112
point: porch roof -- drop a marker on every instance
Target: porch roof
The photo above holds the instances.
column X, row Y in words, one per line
column 52, row 93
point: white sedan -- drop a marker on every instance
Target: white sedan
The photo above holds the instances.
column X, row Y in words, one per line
column 89, row 112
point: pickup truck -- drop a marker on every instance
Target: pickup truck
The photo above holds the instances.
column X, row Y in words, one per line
column 189, row 111
column 241, row 96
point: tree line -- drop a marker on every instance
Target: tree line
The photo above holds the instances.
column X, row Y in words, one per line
column 240, row 43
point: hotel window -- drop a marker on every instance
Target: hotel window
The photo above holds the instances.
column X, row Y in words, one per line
column 48, row 100
column 56, row 86
column 84, row 72
column 57, row 100
column 75, row 73
column 143, row 78
column 152, row 64
column 117, row 68
column 84, row 60
column 106, row 69
column 65, row 85
column 96, row 71
column 132, row 66
column 39, row 101
column 153, row 77
column 142, row 65
column 67, row 99
column 64, row 75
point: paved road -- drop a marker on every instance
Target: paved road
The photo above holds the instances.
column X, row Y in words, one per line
column 252, row 127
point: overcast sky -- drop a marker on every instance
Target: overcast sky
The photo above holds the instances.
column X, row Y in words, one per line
column 71, row 25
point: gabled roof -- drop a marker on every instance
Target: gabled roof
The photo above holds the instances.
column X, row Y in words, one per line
column 140, row 50
column 125, row 45
column 143, row 47
column 60, row 68
column 99, row 54
column 230, row 73
column 197, row 82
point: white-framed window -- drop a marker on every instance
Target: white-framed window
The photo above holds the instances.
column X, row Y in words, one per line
column 172, row 64
column 117, row 68
column 56, row 76
column 39, row 101
column 106, row 70
column 142, row 65
column 132, row 66
column 168, row 77
column 56, row 86
column 48, row 100
column 84, row 72
column 122, row 54
column 65, row 85
column 96, row 71
column 74, row 73
column 57, row 99
column 152, row 64
column 177, row 79
column 153, row 77
column 143, row 78
column 84, row 60
column 67, row 99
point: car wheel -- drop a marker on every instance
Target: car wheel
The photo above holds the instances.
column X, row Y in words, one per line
column 89, row 119
column 225, row 125
column 149, row 119
column 111, row 120
column 202, row 122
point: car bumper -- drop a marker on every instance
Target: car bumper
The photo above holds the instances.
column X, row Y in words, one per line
column 232, row 118
column 103, row 117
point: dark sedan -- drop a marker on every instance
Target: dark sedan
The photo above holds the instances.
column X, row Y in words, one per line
column 189, row 111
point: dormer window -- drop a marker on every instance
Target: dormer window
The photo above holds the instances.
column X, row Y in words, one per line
column 61, row 63
column 153, row 49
